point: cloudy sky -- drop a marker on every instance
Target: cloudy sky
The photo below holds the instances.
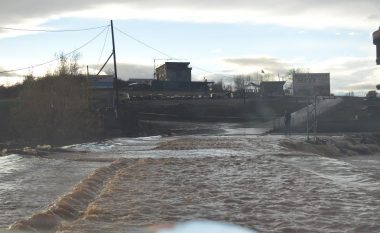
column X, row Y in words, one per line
column 220, row 38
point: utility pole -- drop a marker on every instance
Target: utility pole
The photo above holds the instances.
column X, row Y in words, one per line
column 154, row 69
column 115, row 81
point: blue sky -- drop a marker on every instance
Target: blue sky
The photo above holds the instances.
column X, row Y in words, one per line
column 224, row 37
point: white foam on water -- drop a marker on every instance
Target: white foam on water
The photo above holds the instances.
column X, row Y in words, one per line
column 336, row 170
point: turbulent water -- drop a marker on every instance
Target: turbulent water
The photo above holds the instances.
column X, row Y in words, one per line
column 124, row 185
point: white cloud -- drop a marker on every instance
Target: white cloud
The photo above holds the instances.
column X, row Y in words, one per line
column 294, row 13
column 358, row 74
column 216, row 51
column 347, row 73
column 258, row 63
column 10, row 80
column 350, row 73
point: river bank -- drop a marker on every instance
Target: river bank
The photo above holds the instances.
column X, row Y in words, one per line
column 246, row 179
column 333, row 146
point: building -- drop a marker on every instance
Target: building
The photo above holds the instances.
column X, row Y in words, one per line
column 272, row 88
column 176, row 76
column 174, row 72
column 311, row 84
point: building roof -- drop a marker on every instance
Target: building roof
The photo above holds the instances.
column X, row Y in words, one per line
column 175, row 65
column 101, row 81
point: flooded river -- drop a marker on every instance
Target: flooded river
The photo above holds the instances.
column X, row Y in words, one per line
column 123, row 185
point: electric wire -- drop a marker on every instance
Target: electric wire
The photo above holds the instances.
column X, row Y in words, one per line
column 56, row 59
column 165, row 54
column 47, row 30
column 210, row 72
column 143, row 43
column 102, row 51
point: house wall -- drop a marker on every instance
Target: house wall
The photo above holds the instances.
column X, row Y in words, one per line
column 179, row 75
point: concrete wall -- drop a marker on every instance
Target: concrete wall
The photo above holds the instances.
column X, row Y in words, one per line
column 179, row 75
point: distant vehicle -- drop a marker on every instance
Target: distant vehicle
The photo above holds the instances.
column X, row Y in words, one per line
column 371, row 95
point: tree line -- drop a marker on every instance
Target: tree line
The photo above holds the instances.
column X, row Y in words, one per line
column 53, row 109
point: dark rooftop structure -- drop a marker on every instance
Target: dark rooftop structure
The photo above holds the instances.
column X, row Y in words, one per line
column 174, row 71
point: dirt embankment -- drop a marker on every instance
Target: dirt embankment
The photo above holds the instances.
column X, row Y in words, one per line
column 337, row 146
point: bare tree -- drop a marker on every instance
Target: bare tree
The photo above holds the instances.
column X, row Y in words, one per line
column 68, row 64
column 297, row 71
column 218, row 86
column 239, row 82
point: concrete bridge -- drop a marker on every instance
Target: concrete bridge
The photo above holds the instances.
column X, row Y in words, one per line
column 300, row 117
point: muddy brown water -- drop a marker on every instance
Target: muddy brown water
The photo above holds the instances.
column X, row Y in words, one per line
column 124, row 185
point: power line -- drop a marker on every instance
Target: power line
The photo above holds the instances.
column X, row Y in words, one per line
column 56, row 59
column 47, row 30
column 102, row 51
column 145, row 44
column 165, row 54
column 207, row 71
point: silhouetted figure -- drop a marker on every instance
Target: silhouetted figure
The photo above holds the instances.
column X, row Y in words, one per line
column 288, row 119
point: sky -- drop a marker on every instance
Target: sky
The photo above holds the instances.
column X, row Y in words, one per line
column 220, row 38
